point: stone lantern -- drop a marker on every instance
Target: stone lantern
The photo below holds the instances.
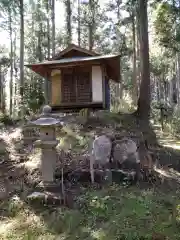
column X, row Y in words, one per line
column 47, row 143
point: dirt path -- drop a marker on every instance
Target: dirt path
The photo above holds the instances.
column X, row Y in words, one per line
column 166, row 139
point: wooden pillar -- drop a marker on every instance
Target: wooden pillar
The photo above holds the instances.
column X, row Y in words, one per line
column 50, row 91
column 103, row 85
column 47, row 88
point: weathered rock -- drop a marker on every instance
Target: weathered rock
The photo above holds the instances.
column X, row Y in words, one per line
column 49, row 198
column 101, row 150
column 100, row 153
column 125, row 150
column 45, row 197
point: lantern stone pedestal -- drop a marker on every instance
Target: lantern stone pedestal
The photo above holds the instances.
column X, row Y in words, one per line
column 48, row 160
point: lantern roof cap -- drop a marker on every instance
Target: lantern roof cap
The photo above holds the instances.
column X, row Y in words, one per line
column 45, row 118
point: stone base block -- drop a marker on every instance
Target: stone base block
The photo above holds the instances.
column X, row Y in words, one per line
column 50, row 198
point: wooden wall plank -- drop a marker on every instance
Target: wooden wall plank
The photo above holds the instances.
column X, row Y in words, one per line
column 56, row 89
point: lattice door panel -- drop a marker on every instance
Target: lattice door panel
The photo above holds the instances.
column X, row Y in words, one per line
column 68, row 88
column 83, row 87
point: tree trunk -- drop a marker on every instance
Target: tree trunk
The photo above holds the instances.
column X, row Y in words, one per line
column 34, row 43
column 39, row 46
column 68, row 21
column 15, row 82
column 79, row 24
column 39, row 51
column 91, row 25
column 1, row 87
column 170, row 93
column 178, row 78
column 11, row 61
column 120, row 85
column 22, row 53
column 138, row 70
column 48, row 29
column 3, row 93
column 53, row 25
column 144, row 98
column 134, row 76
column 158, row 98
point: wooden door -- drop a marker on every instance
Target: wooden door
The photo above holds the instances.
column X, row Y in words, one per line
column 68, row 87
column 83, row 83
column 76, row 85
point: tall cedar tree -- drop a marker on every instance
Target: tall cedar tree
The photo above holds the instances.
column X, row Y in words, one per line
column 143, row 110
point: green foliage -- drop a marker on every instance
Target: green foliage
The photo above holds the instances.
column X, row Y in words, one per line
column 6, row 119
column 113, row 213
column 172, row 122
column 166, row 27
column 155, row 112
column 35, row 100
column 178, row 213
column 175, row 122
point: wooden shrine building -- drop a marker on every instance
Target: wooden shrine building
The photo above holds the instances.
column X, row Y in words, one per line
column 77, row 78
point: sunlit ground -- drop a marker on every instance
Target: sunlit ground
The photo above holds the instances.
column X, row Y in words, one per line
column 166, row 139
column 172, row 145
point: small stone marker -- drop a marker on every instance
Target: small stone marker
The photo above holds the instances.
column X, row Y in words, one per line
column 125, row 150
column 101, row 151
column 45, row 197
